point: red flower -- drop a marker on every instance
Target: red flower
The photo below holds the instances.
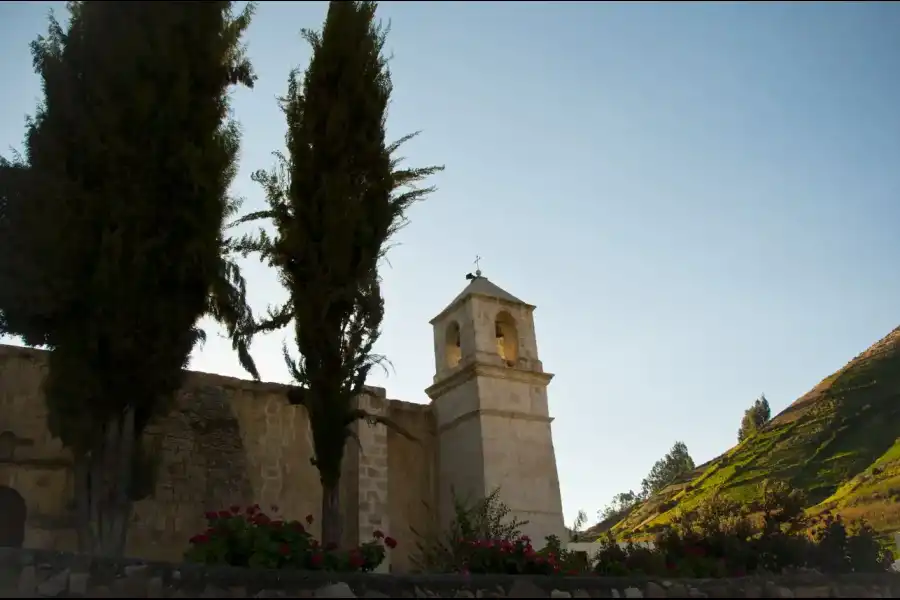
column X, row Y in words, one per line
column 210, row 515
column 201, row 538
column 316, row 560
column 285, row 549
column 277, row 524
column 224, row 514
column 356, row 560
column 390, row 542
column 378, row 534
column 235, row 509
column 309, row 519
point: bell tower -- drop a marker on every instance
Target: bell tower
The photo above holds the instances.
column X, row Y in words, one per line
column 489, row 398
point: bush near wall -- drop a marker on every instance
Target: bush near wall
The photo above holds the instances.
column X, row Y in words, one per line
column 718, row 539
column 248, row 537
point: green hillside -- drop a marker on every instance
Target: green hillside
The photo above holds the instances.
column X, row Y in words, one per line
column 840, row 443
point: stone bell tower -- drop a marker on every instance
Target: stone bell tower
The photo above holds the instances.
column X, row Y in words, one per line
column 489, row 399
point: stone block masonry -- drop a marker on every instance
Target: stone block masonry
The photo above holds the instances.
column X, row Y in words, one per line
column 42, row 574
column 373, row 467
column 225, row 442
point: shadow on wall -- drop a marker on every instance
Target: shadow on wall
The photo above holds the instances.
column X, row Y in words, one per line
column 218, row 442
column 201, row 466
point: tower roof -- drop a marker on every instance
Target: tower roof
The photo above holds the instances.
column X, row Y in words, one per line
column 482, row 286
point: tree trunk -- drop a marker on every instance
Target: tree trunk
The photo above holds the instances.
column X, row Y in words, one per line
column 331, row 514
column 102, row 480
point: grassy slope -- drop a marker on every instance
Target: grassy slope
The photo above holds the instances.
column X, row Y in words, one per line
column 840, row 443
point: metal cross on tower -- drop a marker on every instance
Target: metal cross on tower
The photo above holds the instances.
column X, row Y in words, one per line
column 477, row 266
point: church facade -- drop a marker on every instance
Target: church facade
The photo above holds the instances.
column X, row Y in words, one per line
column 235, row 442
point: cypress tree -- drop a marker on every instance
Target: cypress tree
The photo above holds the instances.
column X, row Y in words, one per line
column 335, row 200
column 119, row 203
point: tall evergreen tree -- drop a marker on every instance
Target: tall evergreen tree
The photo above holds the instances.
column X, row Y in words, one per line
column 119, row 207
column 754, row 418
column 335, row 200
column 666, row 470
column 23, row 297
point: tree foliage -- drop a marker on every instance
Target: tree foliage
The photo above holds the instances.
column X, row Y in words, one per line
column 577, row 529
column 335, row 199
column 24, row 299
column 667, row 469
column 620, row 506
column 117, row 208
column 754, row 418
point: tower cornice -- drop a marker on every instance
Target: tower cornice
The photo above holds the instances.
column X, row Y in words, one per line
column 477, row 369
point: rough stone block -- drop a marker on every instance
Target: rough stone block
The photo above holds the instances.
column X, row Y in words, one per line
column 334, row 590
column 54, row 585
column 27, row 583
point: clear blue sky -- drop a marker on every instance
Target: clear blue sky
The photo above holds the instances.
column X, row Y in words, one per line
column 701, row 199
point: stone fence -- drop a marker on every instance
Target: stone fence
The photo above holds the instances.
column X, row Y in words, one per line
column 30, row 574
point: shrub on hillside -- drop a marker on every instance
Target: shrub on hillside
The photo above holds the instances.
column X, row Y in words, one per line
column 720, row 539
column 250, row 538
column 853, row 549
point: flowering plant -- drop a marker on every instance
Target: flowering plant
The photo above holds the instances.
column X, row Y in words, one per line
column 511, row 556
column 250, row 538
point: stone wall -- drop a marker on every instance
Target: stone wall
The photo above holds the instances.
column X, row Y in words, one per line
column 25, row 574
column 411, row 479
column 226, row 442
